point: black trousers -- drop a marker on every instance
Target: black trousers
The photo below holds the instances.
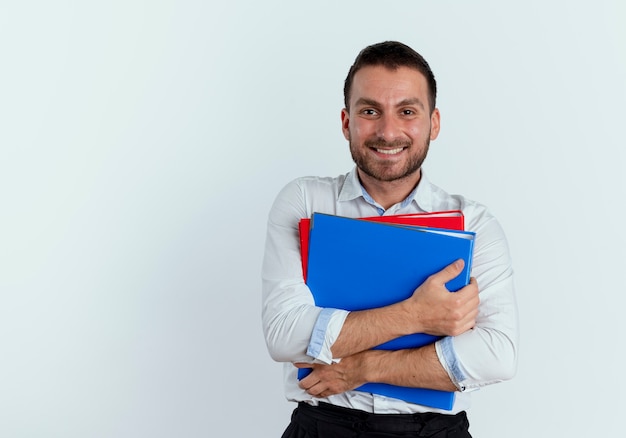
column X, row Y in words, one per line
column 328, row 421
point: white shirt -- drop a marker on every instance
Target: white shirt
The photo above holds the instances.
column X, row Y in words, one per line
column 298, row 331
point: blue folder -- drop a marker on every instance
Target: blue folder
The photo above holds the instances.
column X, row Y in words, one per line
column 356, row 265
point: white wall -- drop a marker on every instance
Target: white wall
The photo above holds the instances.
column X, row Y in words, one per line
column 142, row 144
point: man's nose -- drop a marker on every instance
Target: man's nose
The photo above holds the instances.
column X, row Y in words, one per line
column 387, row 127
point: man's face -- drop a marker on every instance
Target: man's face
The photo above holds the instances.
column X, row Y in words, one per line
column 389, row 125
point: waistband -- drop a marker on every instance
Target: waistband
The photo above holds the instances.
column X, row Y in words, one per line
column 426, row 423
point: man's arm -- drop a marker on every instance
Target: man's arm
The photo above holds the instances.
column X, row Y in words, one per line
column 417, row 368
column 431, row 309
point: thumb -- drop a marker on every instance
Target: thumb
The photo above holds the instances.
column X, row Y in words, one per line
column 449, row 272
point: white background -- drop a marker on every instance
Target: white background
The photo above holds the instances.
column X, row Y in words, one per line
column 143, row 142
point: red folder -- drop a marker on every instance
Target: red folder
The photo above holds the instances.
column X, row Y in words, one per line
column 451, row 220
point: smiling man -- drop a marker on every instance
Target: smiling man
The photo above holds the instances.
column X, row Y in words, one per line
column 390, row 118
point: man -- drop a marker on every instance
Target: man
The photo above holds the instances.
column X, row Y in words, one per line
column 389, row 119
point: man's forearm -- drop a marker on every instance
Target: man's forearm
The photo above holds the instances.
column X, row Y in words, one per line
column 431, row 309
column 418, row 368
column 366, row 329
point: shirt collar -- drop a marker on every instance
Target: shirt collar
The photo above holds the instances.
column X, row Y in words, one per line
column 351, row 188
column 421, row 196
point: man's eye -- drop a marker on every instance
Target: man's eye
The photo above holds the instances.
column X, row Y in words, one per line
column 369, row 112
column 408, row 112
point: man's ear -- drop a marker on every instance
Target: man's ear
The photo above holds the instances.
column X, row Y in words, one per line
column 345, row 123
column 435, row 124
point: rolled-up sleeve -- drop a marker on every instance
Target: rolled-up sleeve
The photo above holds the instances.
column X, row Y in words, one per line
column 488, row 353
column 295, row 329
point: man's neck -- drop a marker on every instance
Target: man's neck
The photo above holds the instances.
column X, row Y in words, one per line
column 389, row 193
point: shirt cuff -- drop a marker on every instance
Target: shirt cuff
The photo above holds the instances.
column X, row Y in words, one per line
column 447, row 357
column 325, row 332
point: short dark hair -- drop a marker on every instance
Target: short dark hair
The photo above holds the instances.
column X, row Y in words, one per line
column 392, row 55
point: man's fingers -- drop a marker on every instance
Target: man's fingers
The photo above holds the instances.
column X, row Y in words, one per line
column 314, row 389
column 471, row 289
column 312, row 384
column 308, row 382
column 302, row 365
column 449, row 272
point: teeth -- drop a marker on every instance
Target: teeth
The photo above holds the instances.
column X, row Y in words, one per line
column 389, row 151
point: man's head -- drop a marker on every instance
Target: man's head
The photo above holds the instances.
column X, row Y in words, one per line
column 390, row 117
column 391, row 55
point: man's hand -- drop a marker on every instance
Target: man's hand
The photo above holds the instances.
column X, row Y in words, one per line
column 326, row 380
column 437, row 311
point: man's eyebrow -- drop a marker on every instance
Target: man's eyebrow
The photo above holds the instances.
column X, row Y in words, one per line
column 364, row 101
column 412, row 101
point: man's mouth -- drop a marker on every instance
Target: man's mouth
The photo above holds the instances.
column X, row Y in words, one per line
column 389, row 151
